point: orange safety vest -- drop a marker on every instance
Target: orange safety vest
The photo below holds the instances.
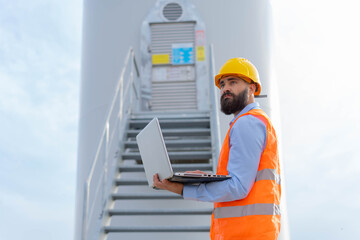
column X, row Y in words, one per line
column 257, row 216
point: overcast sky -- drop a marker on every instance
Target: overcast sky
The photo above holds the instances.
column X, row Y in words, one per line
column 317, row 60
column 40, row 44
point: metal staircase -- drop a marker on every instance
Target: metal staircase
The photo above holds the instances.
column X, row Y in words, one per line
column 139, row 210
column 118, row 203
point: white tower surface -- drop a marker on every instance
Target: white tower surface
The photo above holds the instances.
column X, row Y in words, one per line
column 235, row 28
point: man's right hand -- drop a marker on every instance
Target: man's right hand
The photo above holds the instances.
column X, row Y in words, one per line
column 174, row 187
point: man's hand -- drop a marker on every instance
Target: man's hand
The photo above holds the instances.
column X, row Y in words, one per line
column 197, row 171
column 167, row 185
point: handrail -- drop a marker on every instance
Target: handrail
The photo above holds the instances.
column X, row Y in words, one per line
column 107, row 137
column 214, row 110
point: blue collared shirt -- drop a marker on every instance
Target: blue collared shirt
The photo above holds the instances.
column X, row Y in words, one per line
column 247, row 142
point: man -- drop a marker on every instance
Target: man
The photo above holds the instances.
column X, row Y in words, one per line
column 247, row 205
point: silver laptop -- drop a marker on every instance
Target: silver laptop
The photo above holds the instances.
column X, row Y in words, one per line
column 156, row 159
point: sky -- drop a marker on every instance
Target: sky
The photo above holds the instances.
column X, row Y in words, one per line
column 40, row 46
column 316, row 58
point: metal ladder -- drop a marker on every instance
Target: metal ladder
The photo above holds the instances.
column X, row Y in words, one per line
column 137, row 211
column 118, row 204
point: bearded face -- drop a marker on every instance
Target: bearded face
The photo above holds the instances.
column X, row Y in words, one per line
column 234, row 103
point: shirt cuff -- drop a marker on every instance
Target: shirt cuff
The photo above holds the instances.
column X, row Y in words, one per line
column 189, row 192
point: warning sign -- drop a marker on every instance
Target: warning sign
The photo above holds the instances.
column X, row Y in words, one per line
column 160, row 59
column 200, row 37
column 200, row 53
column 182, row 53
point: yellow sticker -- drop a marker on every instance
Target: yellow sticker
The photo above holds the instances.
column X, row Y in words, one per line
column 200, row 53
column 160, row 59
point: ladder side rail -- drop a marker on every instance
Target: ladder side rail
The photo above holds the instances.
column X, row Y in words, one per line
column 214, row 111
column 128, row 100
column 113, row 124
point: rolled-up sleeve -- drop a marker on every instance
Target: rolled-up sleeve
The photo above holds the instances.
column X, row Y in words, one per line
column 247, row 142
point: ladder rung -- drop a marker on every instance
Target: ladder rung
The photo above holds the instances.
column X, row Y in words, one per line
column 176, row 143
column 158, row 229
column 122, row 182
column 132, row 212
column 156, row 195
column 171, row 115
column 177, row 132
column 173, row 123
column 172, row 107
column 176, row 167
column 192, row 155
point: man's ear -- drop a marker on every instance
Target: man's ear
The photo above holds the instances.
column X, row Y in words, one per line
column 252, row 88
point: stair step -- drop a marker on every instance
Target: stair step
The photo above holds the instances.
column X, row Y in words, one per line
column 180, row 132
column 156, row 195
column 171, row 108
column 192, row 155
column 170, row 115
column 176, row 167
column 187, row 138
column 176, row 143
column 132, row 212
column 172, row 123
column 109, row 229
column 122, row 182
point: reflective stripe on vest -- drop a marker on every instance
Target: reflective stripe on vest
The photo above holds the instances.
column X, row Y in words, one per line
column 247, row 210
column 268, row 174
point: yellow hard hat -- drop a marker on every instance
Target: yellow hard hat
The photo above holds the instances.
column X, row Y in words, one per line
column 242, row 68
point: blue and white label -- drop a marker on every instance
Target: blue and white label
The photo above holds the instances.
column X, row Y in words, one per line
column 182, row 53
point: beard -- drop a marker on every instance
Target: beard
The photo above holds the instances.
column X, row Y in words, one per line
column 234, row 104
